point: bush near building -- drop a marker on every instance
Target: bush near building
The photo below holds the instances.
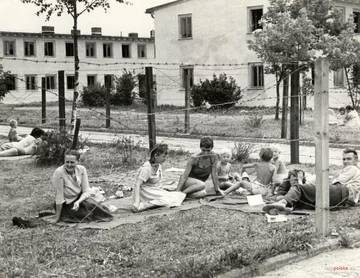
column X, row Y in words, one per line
column 221, row 91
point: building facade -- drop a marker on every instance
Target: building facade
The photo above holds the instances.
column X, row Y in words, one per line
column 31, row 56
column 197, row 37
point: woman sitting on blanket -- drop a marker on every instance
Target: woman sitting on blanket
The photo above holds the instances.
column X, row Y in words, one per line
column 72, row 202
column 23, row 147
column 198, row 169
column 147, row 193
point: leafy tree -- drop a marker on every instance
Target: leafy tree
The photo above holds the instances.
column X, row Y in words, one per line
column 220, row 91
column 5, row 82
column 75, row 8
column 294, row 32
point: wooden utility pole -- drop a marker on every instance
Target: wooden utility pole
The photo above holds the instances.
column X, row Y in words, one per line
column 62, row 124
column 108, row 82
column 322, row 146
column 187, row 104
column 150, row 107
column 294, row 115
column 43, row 100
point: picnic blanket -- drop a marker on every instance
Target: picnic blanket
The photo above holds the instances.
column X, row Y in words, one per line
column 18, row 157
column 239, row 203
column 124, row 215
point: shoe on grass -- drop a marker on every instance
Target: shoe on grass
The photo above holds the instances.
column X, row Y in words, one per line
column 277, row 208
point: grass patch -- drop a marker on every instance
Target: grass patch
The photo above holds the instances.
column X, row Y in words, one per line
column 196, row 243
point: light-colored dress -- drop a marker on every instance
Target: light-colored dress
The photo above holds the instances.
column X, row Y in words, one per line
column 152, row 193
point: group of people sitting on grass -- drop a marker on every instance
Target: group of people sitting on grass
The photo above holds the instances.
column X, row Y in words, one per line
column 286, row 189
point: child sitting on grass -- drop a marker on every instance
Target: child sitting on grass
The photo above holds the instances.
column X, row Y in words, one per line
column 13, row 135
column 264, row 176
column 280, row 168
column 226, row 178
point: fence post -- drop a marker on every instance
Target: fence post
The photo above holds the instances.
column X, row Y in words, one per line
column 294, row 115
column 61, row 75
column 108, row 88
column 322, row 146
column 43, row 100
column 150, row 107
column 187, row 104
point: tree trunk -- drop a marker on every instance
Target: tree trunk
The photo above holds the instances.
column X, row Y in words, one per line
column 294, row 115
column 76, row 65
column 277, row 108
column 349, row 87
column 285, row 103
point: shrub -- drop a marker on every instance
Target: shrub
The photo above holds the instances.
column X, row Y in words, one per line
column 94, row 95
column 241, row 151
column 254, row 121
column 124, row 87
column 5, row 82
column 51, row 151
column 221, row 91
column 127, row 146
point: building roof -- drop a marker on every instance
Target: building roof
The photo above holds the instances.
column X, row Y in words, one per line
column 151, row 10
column 70, row 37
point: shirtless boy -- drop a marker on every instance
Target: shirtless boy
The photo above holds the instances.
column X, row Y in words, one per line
column 264, row 175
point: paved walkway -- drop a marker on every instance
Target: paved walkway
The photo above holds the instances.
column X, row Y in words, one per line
column 307, row 153
column 338, row 263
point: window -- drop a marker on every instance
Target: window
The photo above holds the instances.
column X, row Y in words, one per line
column 49, row 49
column 257, row 75
column 141, row 51
column 185, row 71
column 185, row 26
column 70, row 81
column 125, row 49
column 9, row 48
column 91, row 80
column 108, row 80
column 90, row 49
column 356, row 14
column 339, row 78
column 29, row 49
column 30, row 82
column 11, row 82
column 107, row 50
column 50, row 82
column 69, row 49
column 254, row 14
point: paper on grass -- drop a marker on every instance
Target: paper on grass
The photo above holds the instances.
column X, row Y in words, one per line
column 255, row 200
column 276, row 218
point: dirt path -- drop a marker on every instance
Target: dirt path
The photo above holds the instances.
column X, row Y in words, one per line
column 307, row 153
column 338, row 263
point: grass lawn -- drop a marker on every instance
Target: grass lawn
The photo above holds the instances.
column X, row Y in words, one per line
column 197, row 243
column 235, row 122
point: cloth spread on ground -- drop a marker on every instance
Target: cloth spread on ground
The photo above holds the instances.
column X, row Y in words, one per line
column 124, row 215
column 20, row 157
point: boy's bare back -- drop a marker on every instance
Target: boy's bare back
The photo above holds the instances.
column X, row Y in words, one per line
column 264, row 172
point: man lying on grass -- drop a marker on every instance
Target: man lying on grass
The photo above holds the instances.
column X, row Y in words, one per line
column 344, row 189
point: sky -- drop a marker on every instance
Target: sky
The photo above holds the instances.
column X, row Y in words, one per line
column 18, row 17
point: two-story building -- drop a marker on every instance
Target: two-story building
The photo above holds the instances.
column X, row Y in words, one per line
column 206, row 37
column 31, row 56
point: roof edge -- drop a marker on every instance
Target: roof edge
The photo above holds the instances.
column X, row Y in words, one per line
column 151, row 10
